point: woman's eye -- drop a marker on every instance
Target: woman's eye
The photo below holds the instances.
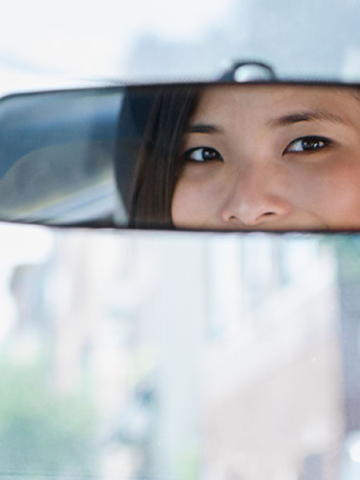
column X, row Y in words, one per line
column 202, row 154
column 307, row 144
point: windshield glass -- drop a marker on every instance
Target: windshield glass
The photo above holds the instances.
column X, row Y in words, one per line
column 154, row 355
column 174, row 356
column 139, row 41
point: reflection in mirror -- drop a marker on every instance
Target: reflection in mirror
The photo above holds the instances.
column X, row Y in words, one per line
column 223, row 157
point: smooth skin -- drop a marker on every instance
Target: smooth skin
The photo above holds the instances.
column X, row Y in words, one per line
column 271, row 158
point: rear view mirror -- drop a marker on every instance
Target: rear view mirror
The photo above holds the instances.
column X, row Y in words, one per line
column 271, row 156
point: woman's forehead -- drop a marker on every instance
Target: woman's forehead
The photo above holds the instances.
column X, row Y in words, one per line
column 224, row 103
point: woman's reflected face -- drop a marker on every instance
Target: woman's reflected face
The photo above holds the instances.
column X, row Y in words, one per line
column 282, row 157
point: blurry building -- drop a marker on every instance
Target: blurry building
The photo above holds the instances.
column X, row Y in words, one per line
column 217, row 358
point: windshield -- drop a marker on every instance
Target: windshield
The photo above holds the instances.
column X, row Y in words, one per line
column 167, row 355
column 174, row 356
column 140, row 41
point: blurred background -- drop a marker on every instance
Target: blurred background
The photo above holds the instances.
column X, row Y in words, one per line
column 45, row 44
column 164, row 355
column 140, row 355
column 182, row 356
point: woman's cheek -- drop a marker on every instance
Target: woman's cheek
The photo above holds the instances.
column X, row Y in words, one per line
column 193, row 202
column 182, row 207
column 336, row 192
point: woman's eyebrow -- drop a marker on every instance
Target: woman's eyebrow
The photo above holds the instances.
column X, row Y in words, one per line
column 306, row 116
column 204, row 128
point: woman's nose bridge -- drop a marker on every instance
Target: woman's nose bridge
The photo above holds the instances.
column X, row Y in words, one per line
column 258, row 190
column 258, row 181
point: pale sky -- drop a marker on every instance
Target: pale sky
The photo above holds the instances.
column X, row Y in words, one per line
column 87, row 38
column 75, row 40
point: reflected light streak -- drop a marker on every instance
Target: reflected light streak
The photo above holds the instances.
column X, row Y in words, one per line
column 354, row 451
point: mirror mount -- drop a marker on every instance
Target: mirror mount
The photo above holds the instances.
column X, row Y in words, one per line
column 249, row 71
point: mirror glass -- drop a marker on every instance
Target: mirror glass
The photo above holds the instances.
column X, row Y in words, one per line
column 276, row 157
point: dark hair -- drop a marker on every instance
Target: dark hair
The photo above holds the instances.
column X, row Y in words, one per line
column 160, row 163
